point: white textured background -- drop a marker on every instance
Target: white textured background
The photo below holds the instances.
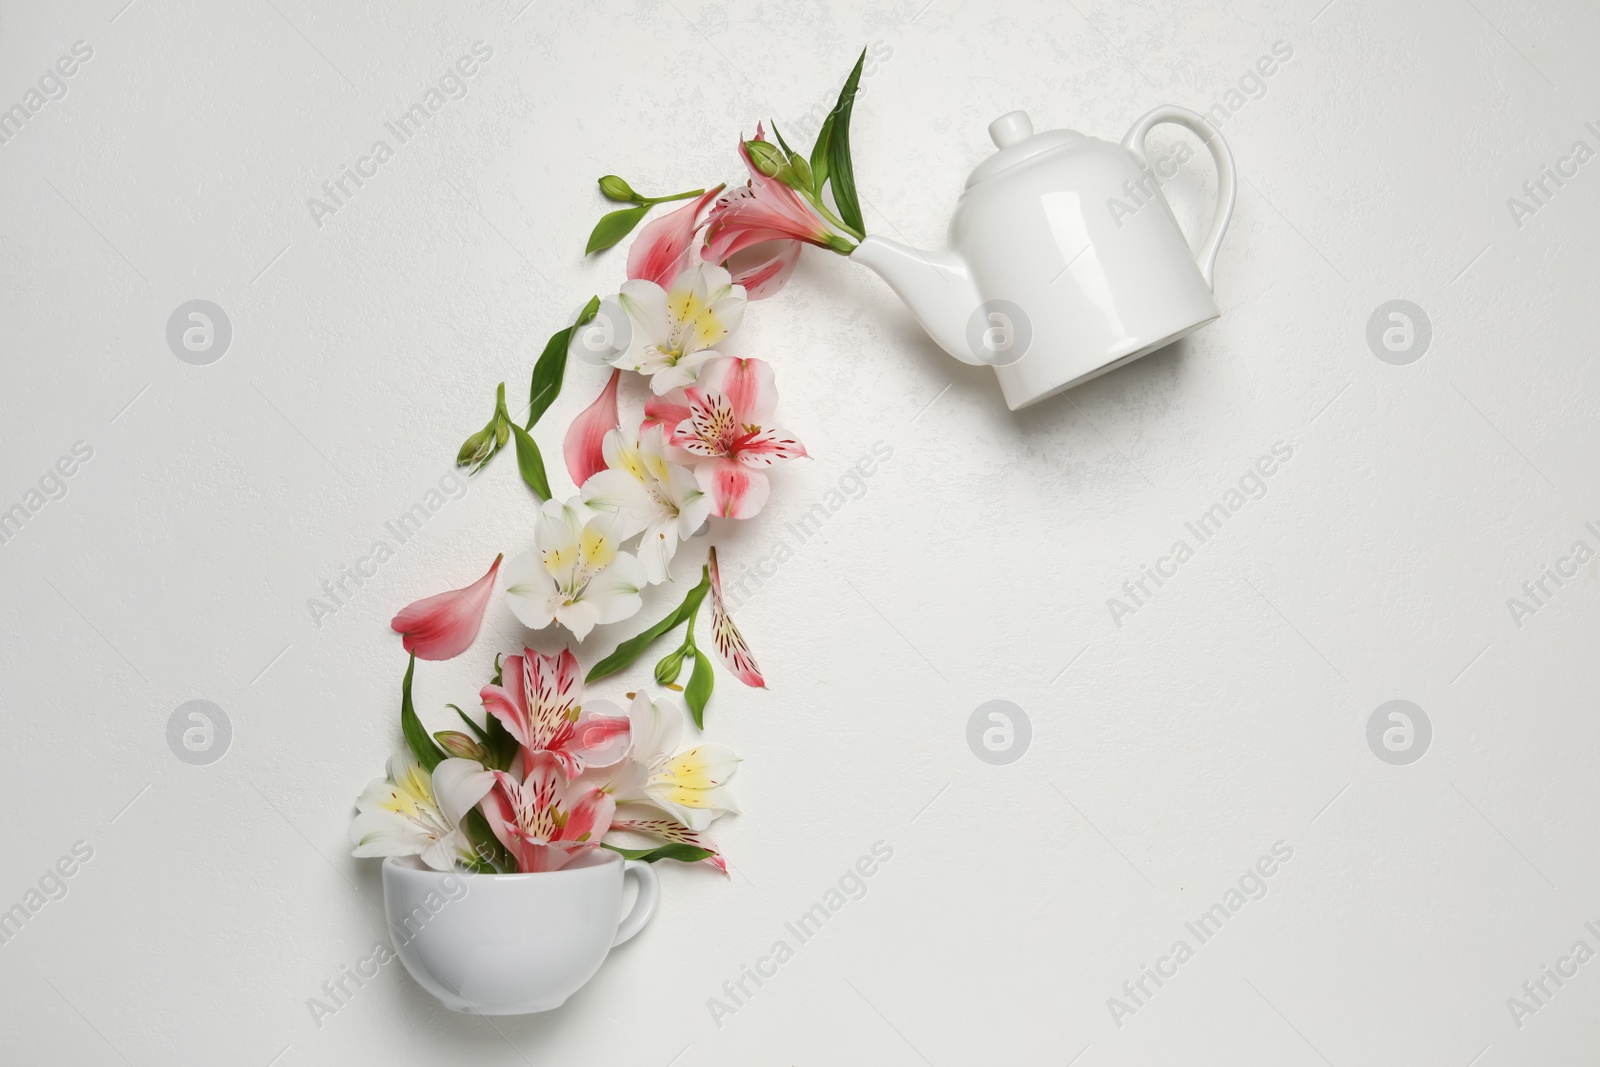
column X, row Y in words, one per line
column 1167, row 753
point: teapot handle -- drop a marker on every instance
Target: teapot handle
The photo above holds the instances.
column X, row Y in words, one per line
column 1206, row 255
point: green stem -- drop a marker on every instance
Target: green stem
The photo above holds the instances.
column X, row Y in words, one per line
column 688, row 633
column 668, row 199
column 816, row 202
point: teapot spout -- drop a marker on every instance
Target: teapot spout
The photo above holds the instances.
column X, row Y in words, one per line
column 936, row 286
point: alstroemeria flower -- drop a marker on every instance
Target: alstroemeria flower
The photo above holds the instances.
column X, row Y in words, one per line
column 546, row 819
column 689, row 786
column 674, row 331
column 538, row 704
column 731, row 647
column 725, row 420
column 582, row 447
column 654, row 496
column 665, row 247
column 412, row 813
column 443, row 625
column 764, row 210
column 577, row 576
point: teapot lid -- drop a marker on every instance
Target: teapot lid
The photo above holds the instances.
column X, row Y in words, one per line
column 1014, row 137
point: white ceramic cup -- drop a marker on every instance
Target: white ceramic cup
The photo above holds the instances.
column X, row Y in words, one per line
column 511, row 944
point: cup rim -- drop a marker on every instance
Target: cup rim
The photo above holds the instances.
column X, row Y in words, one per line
column 412, row 866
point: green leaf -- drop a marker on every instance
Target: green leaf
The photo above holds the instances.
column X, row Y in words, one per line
column 474, row 727
column 548, row 374
column 819, row 156
column 501, row 745
column 677, row 850
column 551, row 367
column 492, row 855
column 497, row 670
column 417, row 738
column 698, row 690
column 841, row 174
column 613, row 227
column 631, row 649
column 784, row 144
column 531, row 464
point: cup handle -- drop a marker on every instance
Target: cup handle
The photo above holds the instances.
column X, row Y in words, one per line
column 1206, row 255
column 644, row 905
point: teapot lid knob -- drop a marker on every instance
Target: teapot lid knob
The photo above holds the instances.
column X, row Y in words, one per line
column 1010, row 128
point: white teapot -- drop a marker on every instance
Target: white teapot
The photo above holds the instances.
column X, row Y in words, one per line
column 1065, row 260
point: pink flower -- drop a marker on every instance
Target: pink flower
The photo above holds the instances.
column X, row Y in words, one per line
column 723, row 422
column 731, row 647
column 546, row 819
column 442, row 626
column 583, row 447
column 762, row 211
column 665, row 247
column 538, row 705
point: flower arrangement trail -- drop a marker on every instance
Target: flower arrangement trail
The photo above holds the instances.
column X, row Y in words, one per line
column 545, row 772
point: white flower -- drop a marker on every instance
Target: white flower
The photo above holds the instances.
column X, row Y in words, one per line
column 657, row 498
column 576, row 576
column 411, row 813
column 689, row 786
column 674, row 331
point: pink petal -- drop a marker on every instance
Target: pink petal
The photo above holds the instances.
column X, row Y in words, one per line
column 541, row 789
column 442, row 626
column 571, row 766
column 508, row 701
column 764, row 268
column 552, row 686
column 542, row 859
column 598, row 740
column 500, row 813
column 767, row 447
column 749, row 385
column 589, row 814
column 663, row 248
column 584, row 445
column 511, row 677
column 736, row 491
column 667, row 411
column 731, row 647
column 742, row 222
column 497, row 702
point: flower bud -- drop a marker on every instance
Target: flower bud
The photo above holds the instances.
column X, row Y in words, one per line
column 614, row 188
column 802, row 170
column 502, row 432
column 476, row 448
column 671, row 666
column 460, row 745
column 767, row 158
